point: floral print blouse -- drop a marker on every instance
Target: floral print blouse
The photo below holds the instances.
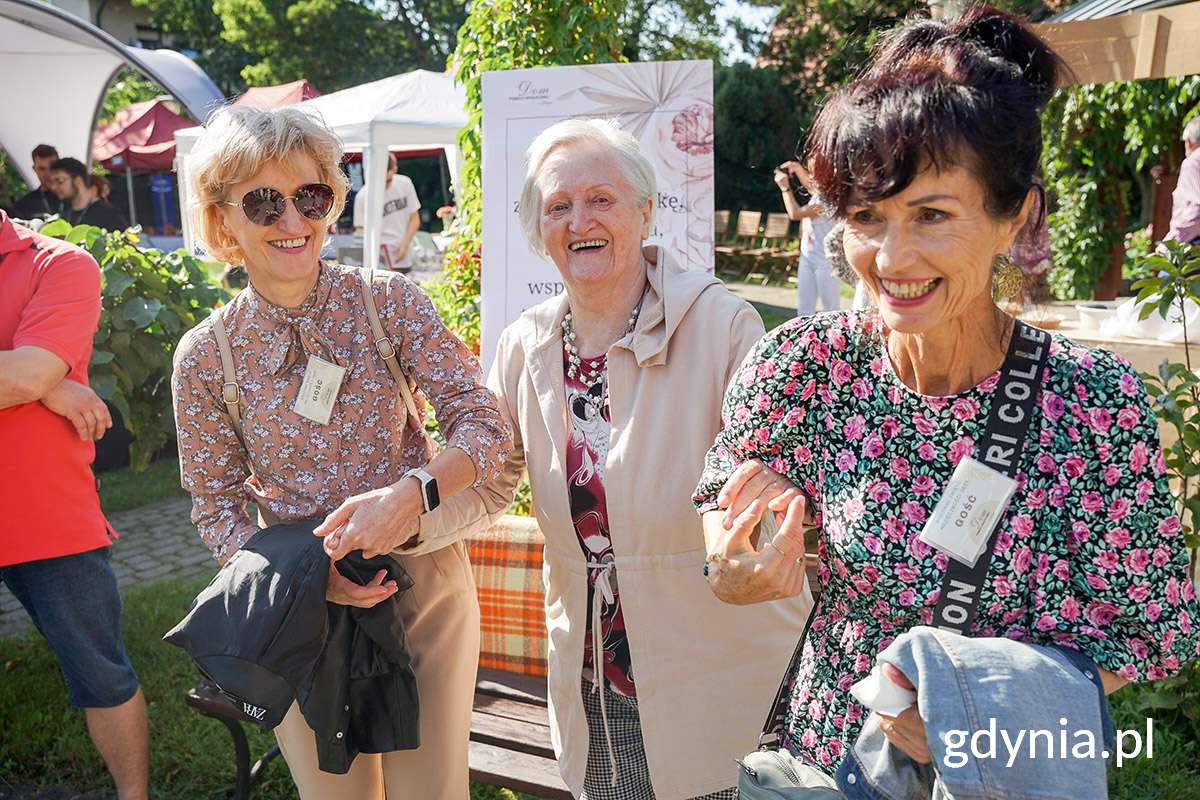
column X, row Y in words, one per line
column 1090, row 553
column 299, row 468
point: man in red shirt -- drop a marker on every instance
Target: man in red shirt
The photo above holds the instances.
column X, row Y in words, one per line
column 54, row 543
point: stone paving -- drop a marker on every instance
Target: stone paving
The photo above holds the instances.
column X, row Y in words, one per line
column 157, row 541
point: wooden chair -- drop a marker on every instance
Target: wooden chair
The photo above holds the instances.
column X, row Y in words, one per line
column 744, row 236
column 720, row 227
column 755, row 260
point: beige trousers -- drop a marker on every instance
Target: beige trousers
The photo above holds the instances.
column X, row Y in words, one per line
column 441, row 614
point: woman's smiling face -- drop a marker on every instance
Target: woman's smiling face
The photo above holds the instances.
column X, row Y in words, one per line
column 925, row 254
column 284, row 255
column 591, row 223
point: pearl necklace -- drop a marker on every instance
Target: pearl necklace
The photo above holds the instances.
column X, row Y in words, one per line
column 592, row 375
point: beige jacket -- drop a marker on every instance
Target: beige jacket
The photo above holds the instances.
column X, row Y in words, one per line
column 706, row 672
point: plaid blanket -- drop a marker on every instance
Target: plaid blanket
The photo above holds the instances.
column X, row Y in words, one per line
column 507, row 562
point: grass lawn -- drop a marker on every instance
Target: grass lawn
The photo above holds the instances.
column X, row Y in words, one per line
column 121, row 489
column 45, row 741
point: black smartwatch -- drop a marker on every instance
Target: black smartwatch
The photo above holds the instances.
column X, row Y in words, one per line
column 429, row 490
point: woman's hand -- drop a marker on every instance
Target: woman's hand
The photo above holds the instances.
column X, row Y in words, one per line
column 755, row 480
column 906, row 731
column 783, row 178
column 376, row 522
column 82, row 407
column 741, row 575
column 346, row 592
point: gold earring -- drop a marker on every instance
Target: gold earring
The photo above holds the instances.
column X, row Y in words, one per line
column 1007, row 278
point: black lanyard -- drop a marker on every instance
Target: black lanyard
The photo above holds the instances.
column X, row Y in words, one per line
column 1013, row 406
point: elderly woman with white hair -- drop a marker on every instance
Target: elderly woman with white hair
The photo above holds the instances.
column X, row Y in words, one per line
column 267, row 184
column 613, row 388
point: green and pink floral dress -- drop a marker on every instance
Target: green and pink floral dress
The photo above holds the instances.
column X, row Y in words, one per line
column 1090, row 553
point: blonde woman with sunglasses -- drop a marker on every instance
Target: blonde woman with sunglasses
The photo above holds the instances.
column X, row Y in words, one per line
column 267, row 185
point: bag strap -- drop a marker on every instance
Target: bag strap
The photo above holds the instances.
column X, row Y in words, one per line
column 1013, row 404
column 385, row 348
column 230, row 393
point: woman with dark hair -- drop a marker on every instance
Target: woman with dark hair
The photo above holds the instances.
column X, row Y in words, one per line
column 931, row 160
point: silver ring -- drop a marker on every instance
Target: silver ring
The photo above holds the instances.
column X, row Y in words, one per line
column 777, row 547
column 887, row 725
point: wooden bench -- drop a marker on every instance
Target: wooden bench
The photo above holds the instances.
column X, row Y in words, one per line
column 510, row 736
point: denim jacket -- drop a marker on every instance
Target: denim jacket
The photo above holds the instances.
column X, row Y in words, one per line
column 971, row 692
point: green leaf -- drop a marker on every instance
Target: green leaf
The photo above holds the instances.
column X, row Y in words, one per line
column 105, row 386
column 141, row 312
column 100, row 357
column 116, row 282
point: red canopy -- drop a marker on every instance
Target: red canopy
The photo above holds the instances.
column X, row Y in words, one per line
column 264, row 97
column 141, row 136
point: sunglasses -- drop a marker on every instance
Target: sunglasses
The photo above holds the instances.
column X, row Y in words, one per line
column 265, row 206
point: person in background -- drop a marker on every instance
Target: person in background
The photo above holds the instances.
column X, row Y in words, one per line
column 54, row 545
column 614, row 390
column 266, row 185
column 69, row 180
column 867, row 415
column 99, row 187
column 401, row 218
column 814, row 275
column 42, row 201
column 1185, row 200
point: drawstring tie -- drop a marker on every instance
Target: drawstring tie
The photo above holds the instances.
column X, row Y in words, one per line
column 602, row 596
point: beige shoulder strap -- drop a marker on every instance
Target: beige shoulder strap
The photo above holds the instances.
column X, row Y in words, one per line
column 386, row 350
column 229, row 388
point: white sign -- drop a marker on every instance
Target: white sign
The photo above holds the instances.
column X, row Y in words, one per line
column 667, row 105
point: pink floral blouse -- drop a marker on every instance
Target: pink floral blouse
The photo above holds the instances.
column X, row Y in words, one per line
column 299, row 468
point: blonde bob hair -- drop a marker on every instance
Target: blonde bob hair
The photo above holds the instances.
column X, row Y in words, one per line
column 609, row 135
column 239, row 142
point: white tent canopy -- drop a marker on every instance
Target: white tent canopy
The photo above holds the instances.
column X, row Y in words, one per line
column 57, row 68
column 418, row 110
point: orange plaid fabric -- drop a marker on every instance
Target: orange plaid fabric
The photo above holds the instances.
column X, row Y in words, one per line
column 507, row 562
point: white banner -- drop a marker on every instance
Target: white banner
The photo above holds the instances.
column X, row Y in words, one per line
column 666, row 105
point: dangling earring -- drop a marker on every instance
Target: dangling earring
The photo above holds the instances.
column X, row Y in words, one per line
column 1007, row 278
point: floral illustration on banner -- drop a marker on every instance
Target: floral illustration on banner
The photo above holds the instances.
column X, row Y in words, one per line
column 668, row 107
column 692, row 130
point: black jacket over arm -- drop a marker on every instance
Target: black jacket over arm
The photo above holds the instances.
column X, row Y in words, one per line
column 264, row 633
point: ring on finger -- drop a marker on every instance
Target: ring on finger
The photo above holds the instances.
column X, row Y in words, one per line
column 887, row 725
column 782, row 552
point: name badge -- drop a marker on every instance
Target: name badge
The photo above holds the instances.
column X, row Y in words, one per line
column 319, row 390
column 963, row 519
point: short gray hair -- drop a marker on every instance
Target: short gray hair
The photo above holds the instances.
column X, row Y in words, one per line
column 239, row 142
column 607, row 133
column 1191, row 131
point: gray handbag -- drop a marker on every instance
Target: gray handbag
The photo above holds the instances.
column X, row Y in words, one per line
column 775, row 774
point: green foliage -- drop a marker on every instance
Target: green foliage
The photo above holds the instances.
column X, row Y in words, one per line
column 129, row 87
column 1099, row 140
column 508, row 34
column 150, row 300
column 12, row 184
column 1175, row 390
column 1138, row 248
column 756, row 130
column 194, row 25
column 1174, row 771
column 670, row 31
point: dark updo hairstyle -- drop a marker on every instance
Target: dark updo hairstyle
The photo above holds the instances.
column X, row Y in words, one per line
column 966, row 91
